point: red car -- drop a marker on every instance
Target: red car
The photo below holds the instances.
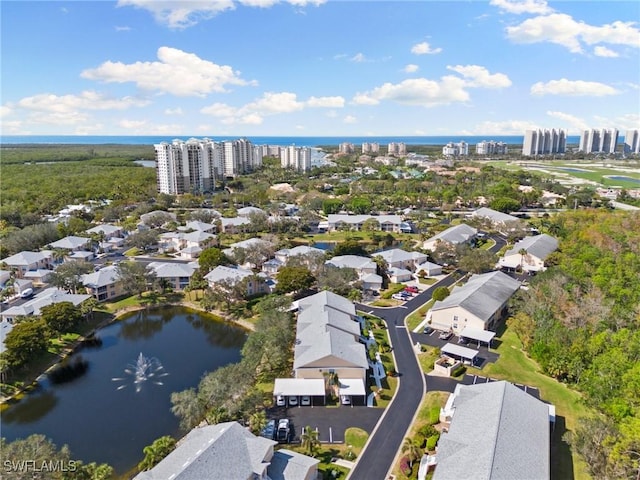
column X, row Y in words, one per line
column 411, row 289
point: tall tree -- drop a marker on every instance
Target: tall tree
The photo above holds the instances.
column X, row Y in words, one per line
column 210, row 258
column 68, row 276
column 25, row 340
column 61, row 317
column 294, row 279
column 135, row 277
column 309, row 440
column 160, row 448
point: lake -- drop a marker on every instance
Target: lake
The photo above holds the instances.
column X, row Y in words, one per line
column 101, row 416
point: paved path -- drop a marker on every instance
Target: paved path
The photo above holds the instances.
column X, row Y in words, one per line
column 378, row 457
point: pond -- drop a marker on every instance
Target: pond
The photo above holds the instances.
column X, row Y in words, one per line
column 109, row 414
column 624, row 178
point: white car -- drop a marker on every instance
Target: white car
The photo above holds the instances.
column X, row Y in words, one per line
column 345, row 399
column 399, row 296
column 305, row 401
column 293, row 401
column 280, row 401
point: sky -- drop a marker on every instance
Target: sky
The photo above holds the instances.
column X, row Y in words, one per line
column 318, row 67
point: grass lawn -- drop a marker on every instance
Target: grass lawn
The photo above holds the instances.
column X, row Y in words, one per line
column 383, row 302
column 428, row 357
column 488, row 244
column 416, row 317
column 325, row 453
column 427, row 281
column 356, row 438
column 515, row 366
column 389, row 384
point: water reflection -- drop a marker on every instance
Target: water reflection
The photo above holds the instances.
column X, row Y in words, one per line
column 35, row 406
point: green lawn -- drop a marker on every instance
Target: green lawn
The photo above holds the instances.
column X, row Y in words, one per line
column 427, row 281
column 416, row 317
column 515, row 366
column 356, row 437
column 428, row 357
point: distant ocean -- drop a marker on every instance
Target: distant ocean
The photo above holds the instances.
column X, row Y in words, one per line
column 282, row 141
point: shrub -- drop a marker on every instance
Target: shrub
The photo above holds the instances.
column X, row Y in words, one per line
column 440, row 293
column 434, row 415
column 459, row 371
column 393, row 288
column 405, row 466
column 428, row 431
column 419, row 439
column 432, row 441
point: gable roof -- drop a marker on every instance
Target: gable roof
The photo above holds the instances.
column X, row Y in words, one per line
column 457, row 234
column 299, row 250
column 327, row 298
column 494, row 215
column 482, row 295
column 398, row 255
column 334, row 218
column 251, row 242
column 497, row 432
column 46, row 297
column 106, row 228
column 225, row 448
column 199, row 226
column 351, row 261
column 290, row 465
column 539, row 246
column 222, row 273
column 103, row 277
column 172, row 269
column 69, row 243
column 25, row 258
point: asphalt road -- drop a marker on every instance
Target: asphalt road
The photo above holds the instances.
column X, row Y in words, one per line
column 387, row 437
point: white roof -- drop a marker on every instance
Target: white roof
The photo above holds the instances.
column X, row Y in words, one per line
column 356, row 219
column 5, row 327
column 476, row 334
column 494, row 215
column 352, row 386
column 351, row 261
column 70, row 243
column 299, row 386
column 459, row 351
column 26, row 258
column 106, row 228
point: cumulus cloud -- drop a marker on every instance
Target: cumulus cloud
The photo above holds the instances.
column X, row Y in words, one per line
column 424, row 48
column 539, row 7
column 349, row 119
column 271, row 103
column 4, row 111
column 87, row 100
column 132, row 124
column 410, row 68
column 506, row 127
column 627, row 121
column 573, row 88
column 174, row 111
column 571, row 120
column 477, row 76
column 358, row 58
column 562, row 29
column 177, row 72
column 180, row 14
column 600, row 51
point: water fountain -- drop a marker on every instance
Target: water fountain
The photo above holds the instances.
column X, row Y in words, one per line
column 145, row 368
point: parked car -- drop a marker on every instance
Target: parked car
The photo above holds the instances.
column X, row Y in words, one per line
column 464, row 340
column 28, row 293
column 445, row 335
column 428, row 330
column 269, row 431
column 293, row 401
column 400, row 296
column 280, row 401
column 345, row 399
column 305, row 401
column 412, row 289
column 282, row 434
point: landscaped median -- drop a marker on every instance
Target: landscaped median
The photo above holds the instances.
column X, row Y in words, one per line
column 389, row 383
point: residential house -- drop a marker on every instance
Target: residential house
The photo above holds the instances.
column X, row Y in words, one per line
column 233, row 225
column 497, row 431
column 46, row 297
column 398, row 258
column 260, row 249
column 365, row 268
column 26, row 261
column 230, row 451
column 456, row 235
column 71, row 243
column 428, row 269
column 530, row 253
column 198, row 227
column 176, row 275
column 187, row 245
column 386, row 223
column 104, row 284
column 106, row 231
column 498, row 219
column 328, row 334
column 148, row 218
column 300, row 251
column 399, row 275
column 222, row 275
column 479, row 304
column 5, row 275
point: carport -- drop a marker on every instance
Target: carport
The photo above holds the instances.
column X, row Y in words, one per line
column 456, row 351
column 353, row 387
column 484, row 336
column 298, row 387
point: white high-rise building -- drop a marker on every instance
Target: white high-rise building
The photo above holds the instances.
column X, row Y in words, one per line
column 370, row 147
column 395, row 148
column 297, row 158
column 544, row 142
column 196, row 165
column 491, row 147
column 346, row 147
column 456, row 149
column 599, row 141
column 632, row 141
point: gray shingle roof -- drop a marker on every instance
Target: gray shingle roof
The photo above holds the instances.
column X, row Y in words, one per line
column 103, row 277
column 494, row 215
column 398, row 255
column 498, row 432
column 482, row 295
column 351, row 261
column 172, row 269
column 25, row 258
column 222, row 273
column 456, row 234
column 226, row 450
column 289, row 465
column 539, row 246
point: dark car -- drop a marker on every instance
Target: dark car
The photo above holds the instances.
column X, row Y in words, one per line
column 428, row 330
column 269, row 431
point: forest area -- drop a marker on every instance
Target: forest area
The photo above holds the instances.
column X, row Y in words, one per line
column 580, row 321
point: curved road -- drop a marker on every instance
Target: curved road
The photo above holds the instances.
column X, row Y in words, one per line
column 387, row 437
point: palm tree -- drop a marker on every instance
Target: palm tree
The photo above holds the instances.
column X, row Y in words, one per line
column 412, row 449
column 523, row 254
column 309, row 440
column 155, row 452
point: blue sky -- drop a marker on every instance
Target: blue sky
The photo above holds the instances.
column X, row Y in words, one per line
column 314, row 67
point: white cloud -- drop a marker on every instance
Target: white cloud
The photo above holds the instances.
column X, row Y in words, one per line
column 174, row 111
column 600, row 51
column 325, row 102
column 562, row 29
column 477, row 76
column 332, row 114
column 122, row 29
column 87, row 100
column 4, row 111
column 132, row 124
column 575, row 122
column 272, row 103
column 177, row 72
column 181, row 14
column 250, row 119
column 410, row 68
column 349, row 119
column 93, row 129
column 300, row 127
column 417, row 91
column 572, row 88
column 628, row 121
column 358, row 58
column 219, row 110
column 424, row 48
column 523, row 6
column 506, row 127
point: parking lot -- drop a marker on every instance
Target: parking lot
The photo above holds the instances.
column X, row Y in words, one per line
column 484, row 357
column 331, row 422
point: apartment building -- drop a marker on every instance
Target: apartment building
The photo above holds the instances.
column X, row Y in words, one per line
column 491, row 148
column 452, row 149
column 196, row 165
column 370, row 147
column 632, row 141
column 544, row 142
column 599, row 141
column 296, row 158
column 346, row 147
column 394, row 148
